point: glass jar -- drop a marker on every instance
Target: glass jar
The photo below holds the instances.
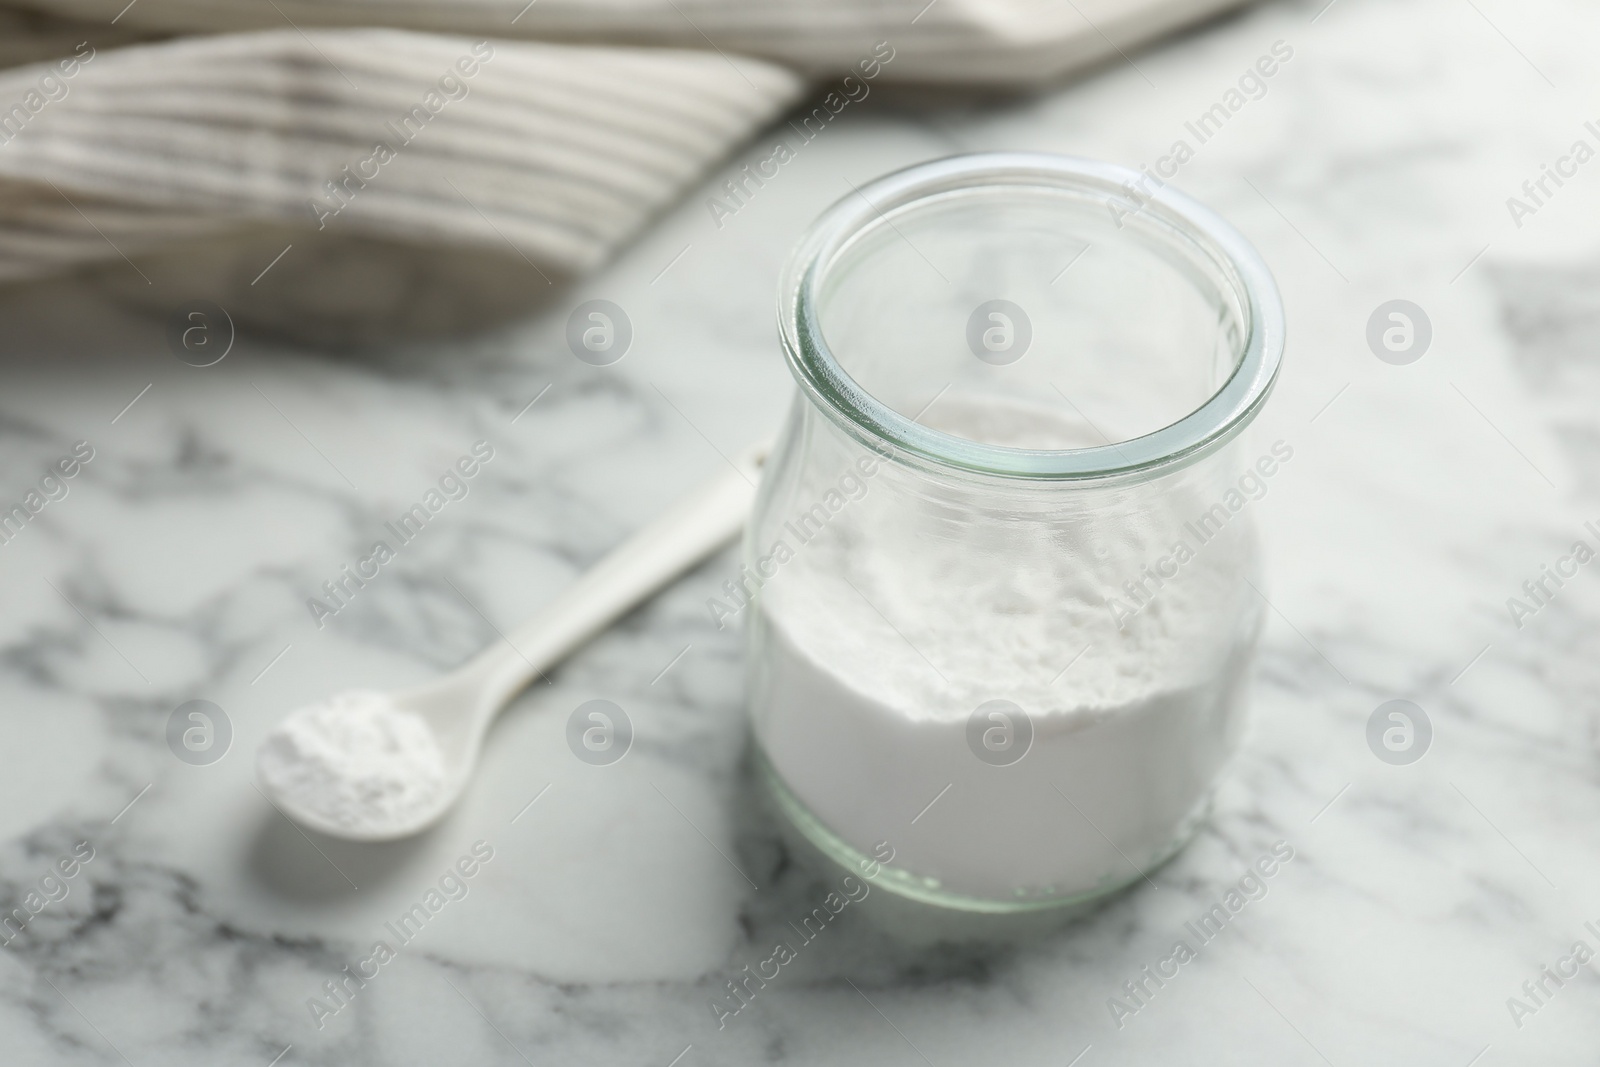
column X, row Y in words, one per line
column 1001, row 577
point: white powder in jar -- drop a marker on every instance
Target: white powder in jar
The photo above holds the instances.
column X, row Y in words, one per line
column 355, row 761
column 877, row 642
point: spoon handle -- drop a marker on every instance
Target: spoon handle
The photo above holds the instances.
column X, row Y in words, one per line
column 682, row 536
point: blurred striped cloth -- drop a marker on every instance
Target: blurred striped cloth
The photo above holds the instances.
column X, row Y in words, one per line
column 436, row 163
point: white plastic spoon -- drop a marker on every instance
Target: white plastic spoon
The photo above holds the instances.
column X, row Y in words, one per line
column 459, row 707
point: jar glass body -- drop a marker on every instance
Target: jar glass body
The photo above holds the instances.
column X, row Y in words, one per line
column 1000, row 637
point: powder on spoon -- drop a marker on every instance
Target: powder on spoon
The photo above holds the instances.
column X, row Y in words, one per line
column 356, row 760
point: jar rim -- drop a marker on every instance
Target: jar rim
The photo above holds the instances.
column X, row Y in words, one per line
column 1220, row 418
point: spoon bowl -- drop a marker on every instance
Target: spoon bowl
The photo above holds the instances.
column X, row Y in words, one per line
column 458, row 708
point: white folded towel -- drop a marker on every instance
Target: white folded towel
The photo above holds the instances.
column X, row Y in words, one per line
column 445, row 171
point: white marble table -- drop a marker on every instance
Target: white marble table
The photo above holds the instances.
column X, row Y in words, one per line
column 1419, row 899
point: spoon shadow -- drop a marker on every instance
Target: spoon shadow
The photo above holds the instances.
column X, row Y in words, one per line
column 308, row 867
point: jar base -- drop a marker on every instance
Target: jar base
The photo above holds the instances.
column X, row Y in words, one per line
column 917, row 908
